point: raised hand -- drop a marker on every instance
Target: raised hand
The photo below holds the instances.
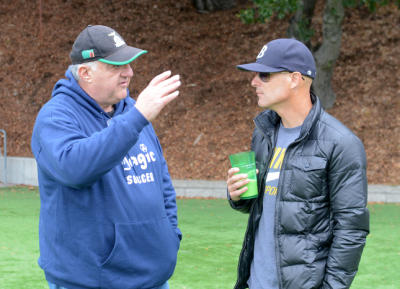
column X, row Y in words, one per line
column 161, row 90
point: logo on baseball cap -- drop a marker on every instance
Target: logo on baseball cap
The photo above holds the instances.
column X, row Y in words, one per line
column 283, row 55
column 102, row 43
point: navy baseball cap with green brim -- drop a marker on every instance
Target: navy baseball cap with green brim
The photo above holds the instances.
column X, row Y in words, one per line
column 283, row 55
column 102, row 43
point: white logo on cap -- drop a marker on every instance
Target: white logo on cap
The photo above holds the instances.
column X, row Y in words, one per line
column 118, row 40
column 261, row 54
column 309, row 72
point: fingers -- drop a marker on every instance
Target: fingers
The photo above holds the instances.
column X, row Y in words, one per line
column 232, row 172
column 170, row 97
column 233, row 177
column 169, row 81
column 162, row 76
column 161, row 90
column 239, row 184
column 165, row 84
column 166, row 89
column 236, row 183
column 235, row 195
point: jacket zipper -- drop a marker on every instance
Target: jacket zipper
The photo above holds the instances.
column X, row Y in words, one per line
column 278, row 199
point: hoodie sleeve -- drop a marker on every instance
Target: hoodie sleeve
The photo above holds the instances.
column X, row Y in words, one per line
column 65, row 153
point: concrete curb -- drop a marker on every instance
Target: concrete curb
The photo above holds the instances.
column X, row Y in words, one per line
column 217, row 189
column 23, row 171
column 200, row 188
column 383, row 193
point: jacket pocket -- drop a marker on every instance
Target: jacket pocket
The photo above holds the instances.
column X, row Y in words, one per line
column 144, row 255
column 308, row 178
column 309, row 163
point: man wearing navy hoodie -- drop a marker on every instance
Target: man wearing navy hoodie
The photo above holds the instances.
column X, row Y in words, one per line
column 108, row 216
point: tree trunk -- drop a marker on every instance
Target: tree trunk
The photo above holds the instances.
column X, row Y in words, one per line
column 328, row 52
column 300, row 23
column 204, row 6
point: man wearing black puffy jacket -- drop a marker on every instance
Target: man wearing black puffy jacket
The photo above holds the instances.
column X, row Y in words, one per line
column 308, row 225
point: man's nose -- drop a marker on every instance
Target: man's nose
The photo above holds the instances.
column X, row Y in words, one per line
column 255, row 80
column 127, row 71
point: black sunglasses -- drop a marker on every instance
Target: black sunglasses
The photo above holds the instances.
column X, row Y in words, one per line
column 266, row 76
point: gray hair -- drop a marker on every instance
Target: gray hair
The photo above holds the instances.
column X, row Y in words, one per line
column 74, row 68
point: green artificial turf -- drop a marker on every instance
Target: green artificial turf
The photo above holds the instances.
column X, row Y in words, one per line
column 212, row 239
column 211, row 244
column 19, row 246
column 380, row 262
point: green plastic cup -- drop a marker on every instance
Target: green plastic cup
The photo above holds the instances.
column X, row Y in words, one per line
column 246, row 163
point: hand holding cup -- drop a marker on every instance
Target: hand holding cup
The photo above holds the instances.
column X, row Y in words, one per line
column 242, row 177
column 236, row 183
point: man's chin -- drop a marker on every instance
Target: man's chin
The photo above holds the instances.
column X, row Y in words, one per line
column 122, row 95
column 262, row 105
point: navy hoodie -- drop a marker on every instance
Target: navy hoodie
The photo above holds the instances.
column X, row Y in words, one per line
column 108, row 216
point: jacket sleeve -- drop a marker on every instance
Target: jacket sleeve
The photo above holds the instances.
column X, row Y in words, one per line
column 169, row 194
column 64, row 152
column 347, row 183
column 241, row 205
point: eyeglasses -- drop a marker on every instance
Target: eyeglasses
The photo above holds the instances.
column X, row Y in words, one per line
column 266, row 76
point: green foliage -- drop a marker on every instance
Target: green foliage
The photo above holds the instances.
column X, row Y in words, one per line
column 264, row 9
column 370, row 4
column 248, row 15
column 305, row 33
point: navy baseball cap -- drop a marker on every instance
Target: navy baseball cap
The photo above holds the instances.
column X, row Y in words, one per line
column 102, row 43
column 283, row 55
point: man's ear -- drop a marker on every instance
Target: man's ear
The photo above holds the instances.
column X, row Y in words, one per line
column 85, row 73
column 296, row 79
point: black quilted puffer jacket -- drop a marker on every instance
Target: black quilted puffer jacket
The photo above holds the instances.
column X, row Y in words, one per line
column 321, row 219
